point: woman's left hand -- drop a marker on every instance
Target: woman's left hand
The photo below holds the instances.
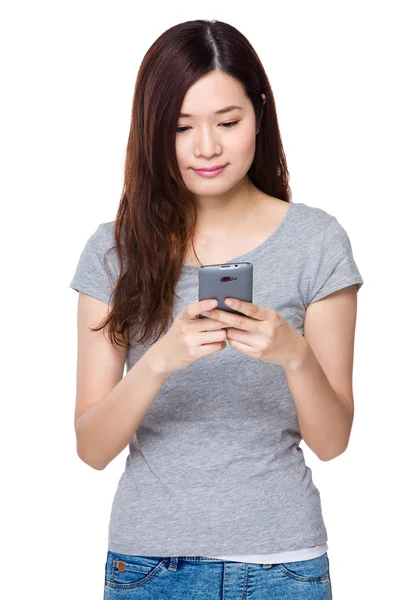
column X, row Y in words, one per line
column 261, row 334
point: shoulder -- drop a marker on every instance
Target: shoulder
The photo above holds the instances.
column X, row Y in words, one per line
column 102, row 239
column 320, row 236
column 101, row 245
column 312, row 218
column 104, row 235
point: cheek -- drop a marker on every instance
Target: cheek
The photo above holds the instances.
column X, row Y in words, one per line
column 180, row 152
column 244, row 143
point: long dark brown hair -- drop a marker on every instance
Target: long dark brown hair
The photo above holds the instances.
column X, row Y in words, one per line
column 157, row 213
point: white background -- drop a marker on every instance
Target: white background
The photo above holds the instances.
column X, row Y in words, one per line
column 345, row 81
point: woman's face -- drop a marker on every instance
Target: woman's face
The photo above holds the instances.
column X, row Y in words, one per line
column 205, row 139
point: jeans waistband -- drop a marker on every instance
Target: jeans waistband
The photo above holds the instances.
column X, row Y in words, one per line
column 174, row 560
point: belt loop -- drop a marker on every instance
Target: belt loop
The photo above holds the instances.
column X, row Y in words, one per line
column 173, row 565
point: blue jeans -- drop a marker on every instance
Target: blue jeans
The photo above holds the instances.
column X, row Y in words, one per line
column 128, row 577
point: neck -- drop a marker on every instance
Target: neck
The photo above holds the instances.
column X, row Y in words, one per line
column 225, row 213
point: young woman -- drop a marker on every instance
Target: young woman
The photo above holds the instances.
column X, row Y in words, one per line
column 216, row 500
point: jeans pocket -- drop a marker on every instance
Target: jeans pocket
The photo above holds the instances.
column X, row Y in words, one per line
column 314, row 569
column 128, row 571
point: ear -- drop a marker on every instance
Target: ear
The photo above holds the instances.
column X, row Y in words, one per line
column 264, row 100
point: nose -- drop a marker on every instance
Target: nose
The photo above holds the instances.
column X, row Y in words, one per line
column 206, row 142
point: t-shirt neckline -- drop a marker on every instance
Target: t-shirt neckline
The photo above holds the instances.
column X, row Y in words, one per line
column 254, row 252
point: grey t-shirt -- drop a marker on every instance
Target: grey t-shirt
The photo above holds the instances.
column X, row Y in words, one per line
column 215, row 467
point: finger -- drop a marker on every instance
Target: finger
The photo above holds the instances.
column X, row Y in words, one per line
column 206, row 324
column 191, row 311
column 247, row 308
column 235, row 321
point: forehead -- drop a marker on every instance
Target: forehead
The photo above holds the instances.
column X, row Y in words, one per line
column 212, row 95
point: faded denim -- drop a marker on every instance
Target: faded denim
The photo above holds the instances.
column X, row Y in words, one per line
column 129, row 577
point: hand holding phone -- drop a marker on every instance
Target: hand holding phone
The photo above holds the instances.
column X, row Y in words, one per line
column 188, row 339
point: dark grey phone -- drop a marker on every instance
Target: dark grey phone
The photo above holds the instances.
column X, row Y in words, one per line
column 227, row 280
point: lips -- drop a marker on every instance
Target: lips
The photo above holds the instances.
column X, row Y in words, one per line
column 209, row 169
column 213, row 172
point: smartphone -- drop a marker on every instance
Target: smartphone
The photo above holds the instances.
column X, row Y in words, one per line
column 227, row 280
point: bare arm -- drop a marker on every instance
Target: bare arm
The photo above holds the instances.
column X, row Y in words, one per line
column 106, row 427
column 321, row 381
column 109, row 407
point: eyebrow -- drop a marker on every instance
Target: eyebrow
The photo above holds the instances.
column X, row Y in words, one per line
column 221, row 111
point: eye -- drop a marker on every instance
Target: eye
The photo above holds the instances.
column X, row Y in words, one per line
column 224, row 125
column 232, row 123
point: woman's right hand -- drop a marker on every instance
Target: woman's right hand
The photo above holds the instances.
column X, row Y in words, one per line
column 188, row 339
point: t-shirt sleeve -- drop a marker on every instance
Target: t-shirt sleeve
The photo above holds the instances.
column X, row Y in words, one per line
column 91, row 276
column 336, row 268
